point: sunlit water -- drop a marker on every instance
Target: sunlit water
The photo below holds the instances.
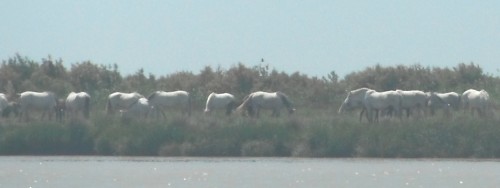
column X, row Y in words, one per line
column 84, row 171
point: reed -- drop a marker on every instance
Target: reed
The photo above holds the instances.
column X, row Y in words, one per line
column 301, row 135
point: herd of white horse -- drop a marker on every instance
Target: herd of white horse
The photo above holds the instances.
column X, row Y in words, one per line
column 134, row 105
column 396, row 102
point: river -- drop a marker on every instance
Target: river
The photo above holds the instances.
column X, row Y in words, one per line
column 97, row 171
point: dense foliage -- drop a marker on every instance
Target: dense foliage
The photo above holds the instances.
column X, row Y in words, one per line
column 315, row 130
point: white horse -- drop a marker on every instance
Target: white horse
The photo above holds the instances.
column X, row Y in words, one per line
column 220, row 101
column 121, row 101
column 45, row 102
column 376, row 101
column 138, row 110
column 264, row 100
column 413, row 99
column 474, row 100
column 161, row 100
column 354, row 100
column 78, row 103
column 445, row 101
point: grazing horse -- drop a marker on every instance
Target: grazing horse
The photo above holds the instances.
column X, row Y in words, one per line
column 220, row 101
column 138, row 110
column 264, row 100
column 476, row 100
column 161, row 100
column 78, row 103
column 443, row 101
column 121, row 101
column 37, row 101
column 376, row 101
column 354, row 100
column 413, row 99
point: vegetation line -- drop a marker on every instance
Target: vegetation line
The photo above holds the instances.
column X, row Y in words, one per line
column 315, row 130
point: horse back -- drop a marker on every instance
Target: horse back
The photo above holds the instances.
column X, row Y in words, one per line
column 37, row 100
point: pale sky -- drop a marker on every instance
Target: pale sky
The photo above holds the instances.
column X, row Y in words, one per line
column 311, row 37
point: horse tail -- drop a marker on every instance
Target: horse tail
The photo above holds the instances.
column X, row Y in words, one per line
column 286, row 101
column 86, row 107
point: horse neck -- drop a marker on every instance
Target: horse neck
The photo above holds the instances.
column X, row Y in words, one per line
column 285, row 101
column 356, row 97
column 437, row 98
column 153, row 95
column 210, row 100
column 244, row 103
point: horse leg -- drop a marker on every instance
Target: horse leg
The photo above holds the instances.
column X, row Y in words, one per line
column 369, row 115
column 361, row 114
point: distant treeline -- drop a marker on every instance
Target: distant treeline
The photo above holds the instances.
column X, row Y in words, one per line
column 20, row 73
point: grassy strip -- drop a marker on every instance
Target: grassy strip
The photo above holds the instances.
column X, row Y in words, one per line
column 323, row 136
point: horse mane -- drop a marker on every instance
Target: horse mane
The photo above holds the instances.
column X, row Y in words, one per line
column 210, row 98
column 360, row 89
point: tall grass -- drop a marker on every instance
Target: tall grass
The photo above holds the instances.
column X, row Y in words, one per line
column 311, row 133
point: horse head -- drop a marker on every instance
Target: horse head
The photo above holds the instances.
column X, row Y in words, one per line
column 12, row 107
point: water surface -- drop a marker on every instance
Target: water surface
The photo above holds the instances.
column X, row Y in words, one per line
column 90, row 171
